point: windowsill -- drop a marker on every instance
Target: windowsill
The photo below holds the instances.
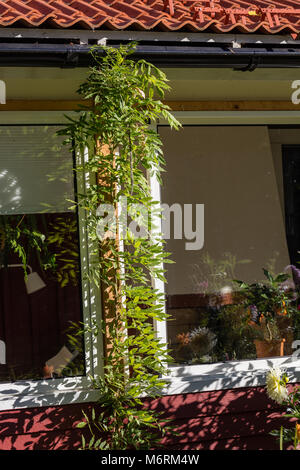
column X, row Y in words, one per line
column 52, row 392
column 227, row 375
column 182, row 379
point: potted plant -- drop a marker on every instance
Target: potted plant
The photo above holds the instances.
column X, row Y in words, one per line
column 196, row 346
column 270, row 305
column 235, row 334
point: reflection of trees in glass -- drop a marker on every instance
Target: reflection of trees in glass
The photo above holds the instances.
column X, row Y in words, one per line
column 51, row 239
column 20, row 236
column 210, row 274
column 36, row 171
column 49, row 244
column 10, row 190
column 271, row 265
column 75, row 343
column 63, row 240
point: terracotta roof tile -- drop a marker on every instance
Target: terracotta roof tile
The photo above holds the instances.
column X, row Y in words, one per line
column 19, row 6
column 85, row 8
column 43, row 8
column 263, row 16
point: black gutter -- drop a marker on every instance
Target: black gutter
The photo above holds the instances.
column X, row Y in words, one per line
column 213, row 56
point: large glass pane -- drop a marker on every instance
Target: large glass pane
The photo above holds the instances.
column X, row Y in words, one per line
column 236, row 172
column 40, row 292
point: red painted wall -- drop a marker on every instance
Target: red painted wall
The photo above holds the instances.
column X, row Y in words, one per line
column 230, row 419
column 238, row 419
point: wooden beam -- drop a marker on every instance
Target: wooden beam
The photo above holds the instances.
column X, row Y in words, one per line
column 43, row 105
column 71, row 105
column 109, row 247
column 232, row 106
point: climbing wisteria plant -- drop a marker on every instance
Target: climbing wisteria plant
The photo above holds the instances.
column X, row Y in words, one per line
column 123, row 154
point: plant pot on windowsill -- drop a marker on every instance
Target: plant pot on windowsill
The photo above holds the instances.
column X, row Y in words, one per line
column 225, row 296
column 271, row 348
column 268, row 339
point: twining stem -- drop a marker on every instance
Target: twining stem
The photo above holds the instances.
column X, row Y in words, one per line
column 270, row 333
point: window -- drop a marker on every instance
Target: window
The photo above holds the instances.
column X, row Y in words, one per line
column 237, row 172
column 45, row 296
column 38, row 312
column 242, row 175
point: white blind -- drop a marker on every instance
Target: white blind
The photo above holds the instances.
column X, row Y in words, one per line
column 36, row 170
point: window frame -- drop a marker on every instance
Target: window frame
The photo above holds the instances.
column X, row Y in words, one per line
column 78, row 389
column 232, row 374
column 181, row 379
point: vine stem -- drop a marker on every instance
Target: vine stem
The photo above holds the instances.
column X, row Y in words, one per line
column 125, row 148
column 21, row 220
column 281, row 438
column 131, row 163
column 270, row 333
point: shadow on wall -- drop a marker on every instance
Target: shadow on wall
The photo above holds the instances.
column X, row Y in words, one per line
column 237, row 419
column 44, row 415
column 51, row 428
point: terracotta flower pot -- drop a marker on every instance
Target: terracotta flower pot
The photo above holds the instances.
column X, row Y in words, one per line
column 282, row 312
column 226, row 298
column 269, row 348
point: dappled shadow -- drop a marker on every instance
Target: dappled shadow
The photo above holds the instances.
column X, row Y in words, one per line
column 34, row 162
column 233, row 419
column 45, row 428
column 43, row 415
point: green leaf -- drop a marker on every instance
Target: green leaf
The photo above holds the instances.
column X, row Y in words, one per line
column 268, row 275
column 81, row 425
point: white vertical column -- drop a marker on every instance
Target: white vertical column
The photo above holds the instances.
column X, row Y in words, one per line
column 156, row 233
column 91, row 295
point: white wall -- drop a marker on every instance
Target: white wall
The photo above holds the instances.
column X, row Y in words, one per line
column 53, row 83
